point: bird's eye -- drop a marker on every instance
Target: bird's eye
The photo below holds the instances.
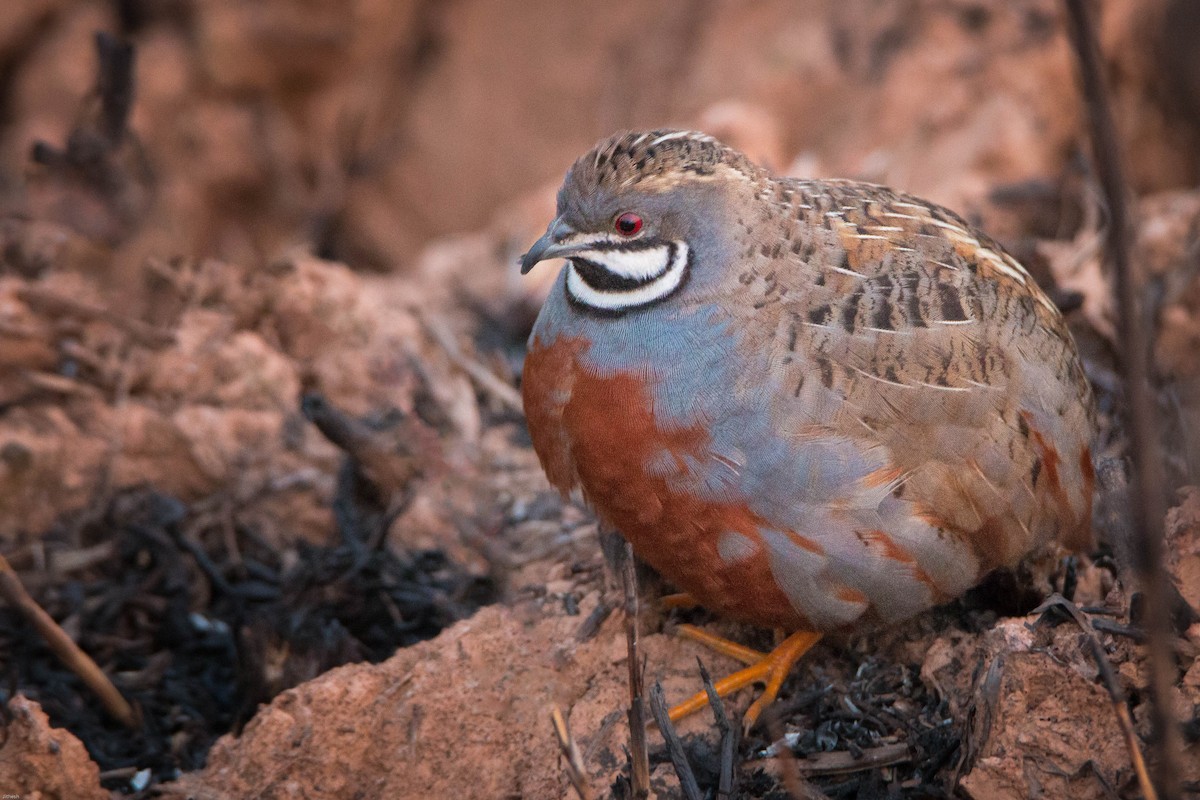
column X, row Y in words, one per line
column 628, row 224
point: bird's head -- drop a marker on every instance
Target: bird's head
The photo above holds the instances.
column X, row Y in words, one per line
column 637, row 213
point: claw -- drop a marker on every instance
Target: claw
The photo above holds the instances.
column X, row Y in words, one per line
column 770, row 668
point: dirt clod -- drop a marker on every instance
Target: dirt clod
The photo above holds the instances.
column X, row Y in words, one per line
column 43, row 762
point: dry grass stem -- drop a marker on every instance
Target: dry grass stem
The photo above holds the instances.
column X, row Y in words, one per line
column 574, row 762
column 78, row 661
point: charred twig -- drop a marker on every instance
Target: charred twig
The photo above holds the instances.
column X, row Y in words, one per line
column 101, row 156
column 114, row 84
column 662, row 716
column 1147, row 498
column 104, row 128
column 591, row 625
column 729, row 737
column 376, row 481
column 389, row 468
column 1102, row 611
column 1117, row 629
column 78, row 661
column 1115, row 693
column 574, row 763
column 205, row 563
column 639, row 759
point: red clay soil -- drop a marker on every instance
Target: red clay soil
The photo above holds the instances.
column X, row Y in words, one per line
column 259, row 340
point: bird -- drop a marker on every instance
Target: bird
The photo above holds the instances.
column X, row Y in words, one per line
column 812, row 405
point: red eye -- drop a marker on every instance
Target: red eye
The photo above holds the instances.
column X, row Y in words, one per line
column 628, row 224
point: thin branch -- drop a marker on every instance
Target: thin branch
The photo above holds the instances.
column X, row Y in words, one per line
column 639, row 759
column 574, row 762
column 1147, row 498
column 68, row 652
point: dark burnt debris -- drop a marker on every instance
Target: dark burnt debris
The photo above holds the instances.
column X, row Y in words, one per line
column 866, row 708
column 846, row 712
column 197, row 636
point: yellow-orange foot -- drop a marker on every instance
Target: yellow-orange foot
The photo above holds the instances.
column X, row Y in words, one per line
column 769, row 668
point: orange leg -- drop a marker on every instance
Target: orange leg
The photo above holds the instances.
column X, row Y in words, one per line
column 770, row 668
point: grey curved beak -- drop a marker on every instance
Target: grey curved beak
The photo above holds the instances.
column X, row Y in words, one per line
column 550, row 245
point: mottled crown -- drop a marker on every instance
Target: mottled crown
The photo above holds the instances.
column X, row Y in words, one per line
column 639, row 157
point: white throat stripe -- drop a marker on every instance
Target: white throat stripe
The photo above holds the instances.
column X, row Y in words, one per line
column 638, row 265
column 659, row 271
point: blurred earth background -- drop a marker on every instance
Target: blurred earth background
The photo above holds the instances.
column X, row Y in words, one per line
column 262, row 457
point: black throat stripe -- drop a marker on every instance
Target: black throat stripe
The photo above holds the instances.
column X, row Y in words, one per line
column 600, row 278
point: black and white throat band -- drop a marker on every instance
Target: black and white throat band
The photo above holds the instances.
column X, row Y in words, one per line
column 616, row 278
